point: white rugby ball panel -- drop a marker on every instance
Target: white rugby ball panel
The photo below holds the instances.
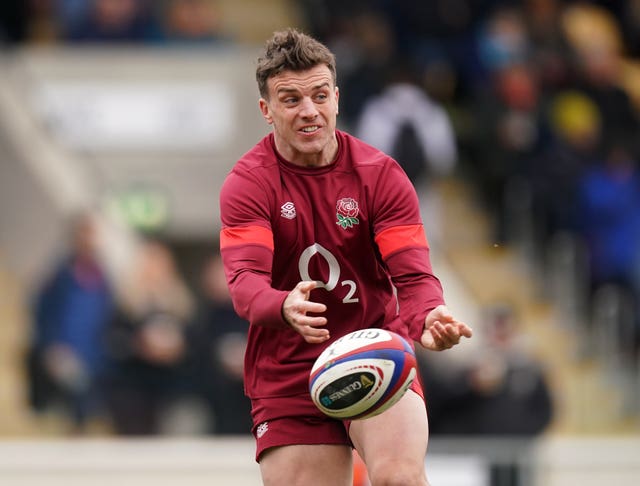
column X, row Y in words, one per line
column 353, row 342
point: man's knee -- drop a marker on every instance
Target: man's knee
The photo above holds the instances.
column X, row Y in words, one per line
column 398, row 474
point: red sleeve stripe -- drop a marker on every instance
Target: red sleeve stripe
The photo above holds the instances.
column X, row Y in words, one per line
column 399, row 237
column 246, row 235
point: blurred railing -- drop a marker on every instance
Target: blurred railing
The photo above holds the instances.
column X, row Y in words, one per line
column 229, row 462
column 613, row 326
column 603, row 321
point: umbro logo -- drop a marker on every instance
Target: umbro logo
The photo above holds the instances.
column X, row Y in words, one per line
column 288, row 210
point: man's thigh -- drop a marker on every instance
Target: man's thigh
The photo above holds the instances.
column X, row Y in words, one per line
column 397, row 438
column 296, row 444
column 304, row 465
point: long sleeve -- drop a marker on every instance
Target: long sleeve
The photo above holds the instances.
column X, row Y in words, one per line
column 404, row 248
column 246, row 246
column 418, row 290
column 248, row 268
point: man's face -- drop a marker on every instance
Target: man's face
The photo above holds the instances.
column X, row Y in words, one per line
column 302, row 107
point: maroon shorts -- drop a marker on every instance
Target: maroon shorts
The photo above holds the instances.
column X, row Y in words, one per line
column 296, row 420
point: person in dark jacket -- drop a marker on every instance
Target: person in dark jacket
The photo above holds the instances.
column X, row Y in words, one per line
column 66, row 358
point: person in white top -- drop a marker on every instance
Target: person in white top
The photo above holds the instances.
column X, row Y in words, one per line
column 403, row 104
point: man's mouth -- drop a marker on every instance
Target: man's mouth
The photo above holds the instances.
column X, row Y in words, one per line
column 310, row 129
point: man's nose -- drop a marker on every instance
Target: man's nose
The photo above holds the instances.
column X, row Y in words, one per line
column 308, row 108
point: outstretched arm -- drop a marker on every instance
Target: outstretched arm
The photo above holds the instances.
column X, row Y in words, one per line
column 442, row 331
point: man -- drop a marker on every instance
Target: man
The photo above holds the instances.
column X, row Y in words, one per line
column 319, row 232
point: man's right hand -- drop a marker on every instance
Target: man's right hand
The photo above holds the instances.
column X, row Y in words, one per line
column 295, row 308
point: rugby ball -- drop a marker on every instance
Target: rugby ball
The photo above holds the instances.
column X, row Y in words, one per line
column 362, row 374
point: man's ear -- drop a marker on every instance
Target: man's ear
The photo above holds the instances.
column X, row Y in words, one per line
column 264, row 109
column 337, row 101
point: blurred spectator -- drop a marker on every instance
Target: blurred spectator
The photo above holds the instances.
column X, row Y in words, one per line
column 509, row 133
column 147, row 343
column 601, row 80
column 588, row 25
column 192, row 22
column 439, row 33
column 609, row 218
column 406, row 123
column 575, row 127
column 549, row 51
column 72, row 309
column 114, row 21
column 503, row 392
column 219, row 340
column 504, row 39
column 596, row 42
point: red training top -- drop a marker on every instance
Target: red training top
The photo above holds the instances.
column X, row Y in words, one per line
column 353, row 225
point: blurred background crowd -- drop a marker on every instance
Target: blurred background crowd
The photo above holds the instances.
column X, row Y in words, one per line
column 533, row 106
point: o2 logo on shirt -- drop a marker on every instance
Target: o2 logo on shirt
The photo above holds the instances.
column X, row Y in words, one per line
column 334, row 272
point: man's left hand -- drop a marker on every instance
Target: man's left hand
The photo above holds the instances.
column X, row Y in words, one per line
column 442, row 331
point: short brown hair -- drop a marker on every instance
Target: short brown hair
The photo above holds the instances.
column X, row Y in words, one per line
column 291, row 50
